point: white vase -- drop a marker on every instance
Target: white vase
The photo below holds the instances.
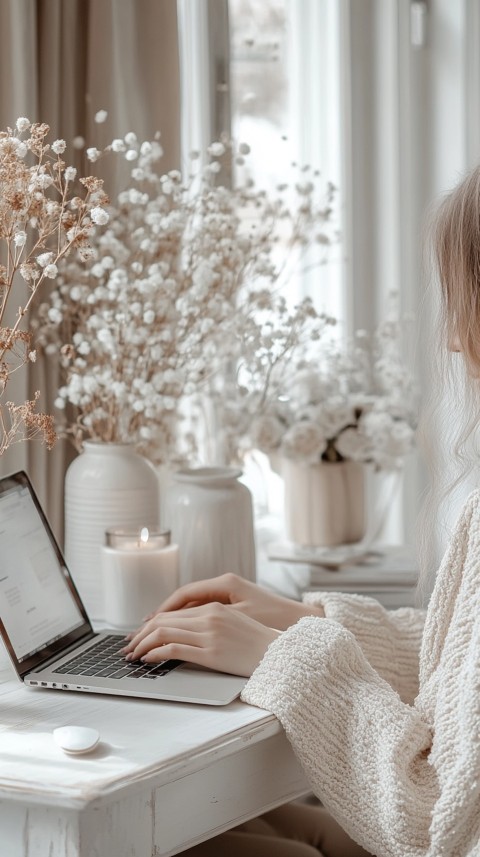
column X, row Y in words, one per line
column 108, row 486
column 324, row 503
column 210, row 515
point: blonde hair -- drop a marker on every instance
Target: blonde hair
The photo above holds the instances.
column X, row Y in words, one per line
column 455, row 245
column 457, row 251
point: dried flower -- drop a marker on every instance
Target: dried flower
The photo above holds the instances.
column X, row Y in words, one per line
column 36, row 222
column 99, row 216
column 20, row 239
column 100, row 116
column 59, row 146
column 93, row 154
column 22, row 422
column 185, row 281
column 22, row 124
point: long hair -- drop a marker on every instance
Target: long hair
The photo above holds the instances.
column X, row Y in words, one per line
column 457, row 252
column 454, row 406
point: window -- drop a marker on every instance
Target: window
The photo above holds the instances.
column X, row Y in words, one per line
column 285, row 103
column 270, row 74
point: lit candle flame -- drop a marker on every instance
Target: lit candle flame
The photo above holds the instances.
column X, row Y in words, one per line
column 144, row 534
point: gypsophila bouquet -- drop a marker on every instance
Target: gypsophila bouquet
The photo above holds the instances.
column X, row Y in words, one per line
column 185, row 275
column 355, row 401
column 41, row 221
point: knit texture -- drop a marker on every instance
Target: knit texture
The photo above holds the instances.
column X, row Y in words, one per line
column 383, row 708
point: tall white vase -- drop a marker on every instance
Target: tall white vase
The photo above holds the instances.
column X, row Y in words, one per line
column 108, row 486
column 324, row 503
column 210, row 515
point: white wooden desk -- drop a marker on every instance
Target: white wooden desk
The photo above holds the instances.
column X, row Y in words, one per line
column 164, row 777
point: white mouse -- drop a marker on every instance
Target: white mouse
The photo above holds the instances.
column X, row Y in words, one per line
column 76, row 739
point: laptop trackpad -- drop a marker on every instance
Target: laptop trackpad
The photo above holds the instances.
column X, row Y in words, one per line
column 199, row 684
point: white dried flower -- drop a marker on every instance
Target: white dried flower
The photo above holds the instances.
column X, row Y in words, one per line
column 105, row 336
column 100, row 116
column 20, row 238
column 21, row 148
column 52, row 207
column 93, row 154
column 22, row 124
column 59, row 146
column 54, row 315
column 50, row 271
column 44, row 259
column 216, row 150
column 86, row 253
column 70, row 174
column 41, row 180
column 99, row 216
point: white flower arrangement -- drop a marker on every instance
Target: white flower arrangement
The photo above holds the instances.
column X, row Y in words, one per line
column 183, row 279
column 354, row 401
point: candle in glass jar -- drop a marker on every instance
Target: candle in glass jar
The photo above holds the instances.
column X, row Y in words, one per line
column 140, row 570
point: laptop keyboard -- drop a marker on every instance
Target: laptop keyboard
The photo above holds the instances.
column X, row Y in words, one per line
column 103, row 659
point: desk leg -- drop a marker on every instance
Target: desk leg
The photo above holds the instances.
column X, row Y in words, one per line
column 38, row 831
column 117, row 829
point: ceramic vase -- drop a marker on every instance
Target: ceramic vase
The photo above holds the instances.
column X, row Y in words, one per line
column 108, row 486
column 210, row 515
column 324, row 502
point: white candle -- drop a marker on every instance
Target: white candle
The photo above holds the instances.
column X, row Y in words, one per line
column 140, row 569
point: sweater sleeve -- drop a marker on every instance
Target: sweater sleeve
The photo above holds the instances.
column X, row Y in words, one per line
column 389, row 639
column 364, row 751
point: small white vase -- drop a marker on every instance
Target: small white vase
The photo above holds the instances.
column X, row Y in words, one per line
column 324, row 503
column 210, row 516
column 108, row 486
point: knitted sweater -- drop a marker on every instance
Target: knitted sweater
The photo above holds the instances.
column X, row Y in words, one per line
column 383, row 708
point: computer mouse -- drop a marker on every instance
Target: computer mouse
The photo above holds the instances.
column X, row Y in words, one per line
column 76, row 739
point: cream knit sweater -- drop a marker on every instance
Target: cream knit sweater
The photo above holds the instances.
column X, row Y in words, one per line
column 383, row 708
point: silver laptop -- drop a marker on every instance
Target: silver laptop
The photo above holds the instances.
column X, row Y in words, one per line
column 46, row 629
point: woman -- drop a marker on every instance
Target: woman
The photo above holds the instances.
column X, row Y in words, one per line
column 382, row 708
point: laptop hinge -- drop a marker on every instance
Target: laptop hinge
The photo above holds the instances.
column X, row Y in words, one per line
column 66, row 651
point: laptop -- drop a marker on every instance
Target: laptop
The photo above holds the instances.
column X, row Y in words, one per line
column 48, row 634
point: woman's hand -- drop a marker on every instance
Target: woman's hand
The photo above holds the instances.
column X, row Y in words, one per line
column 245, row 597
column 210, row 635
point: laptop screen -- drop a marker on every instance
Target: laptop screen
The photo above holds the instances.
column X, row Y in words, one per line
column 40, row 610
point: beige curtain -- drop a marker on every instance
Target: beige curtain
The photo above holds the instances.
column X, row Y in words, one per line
column 62, row 61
